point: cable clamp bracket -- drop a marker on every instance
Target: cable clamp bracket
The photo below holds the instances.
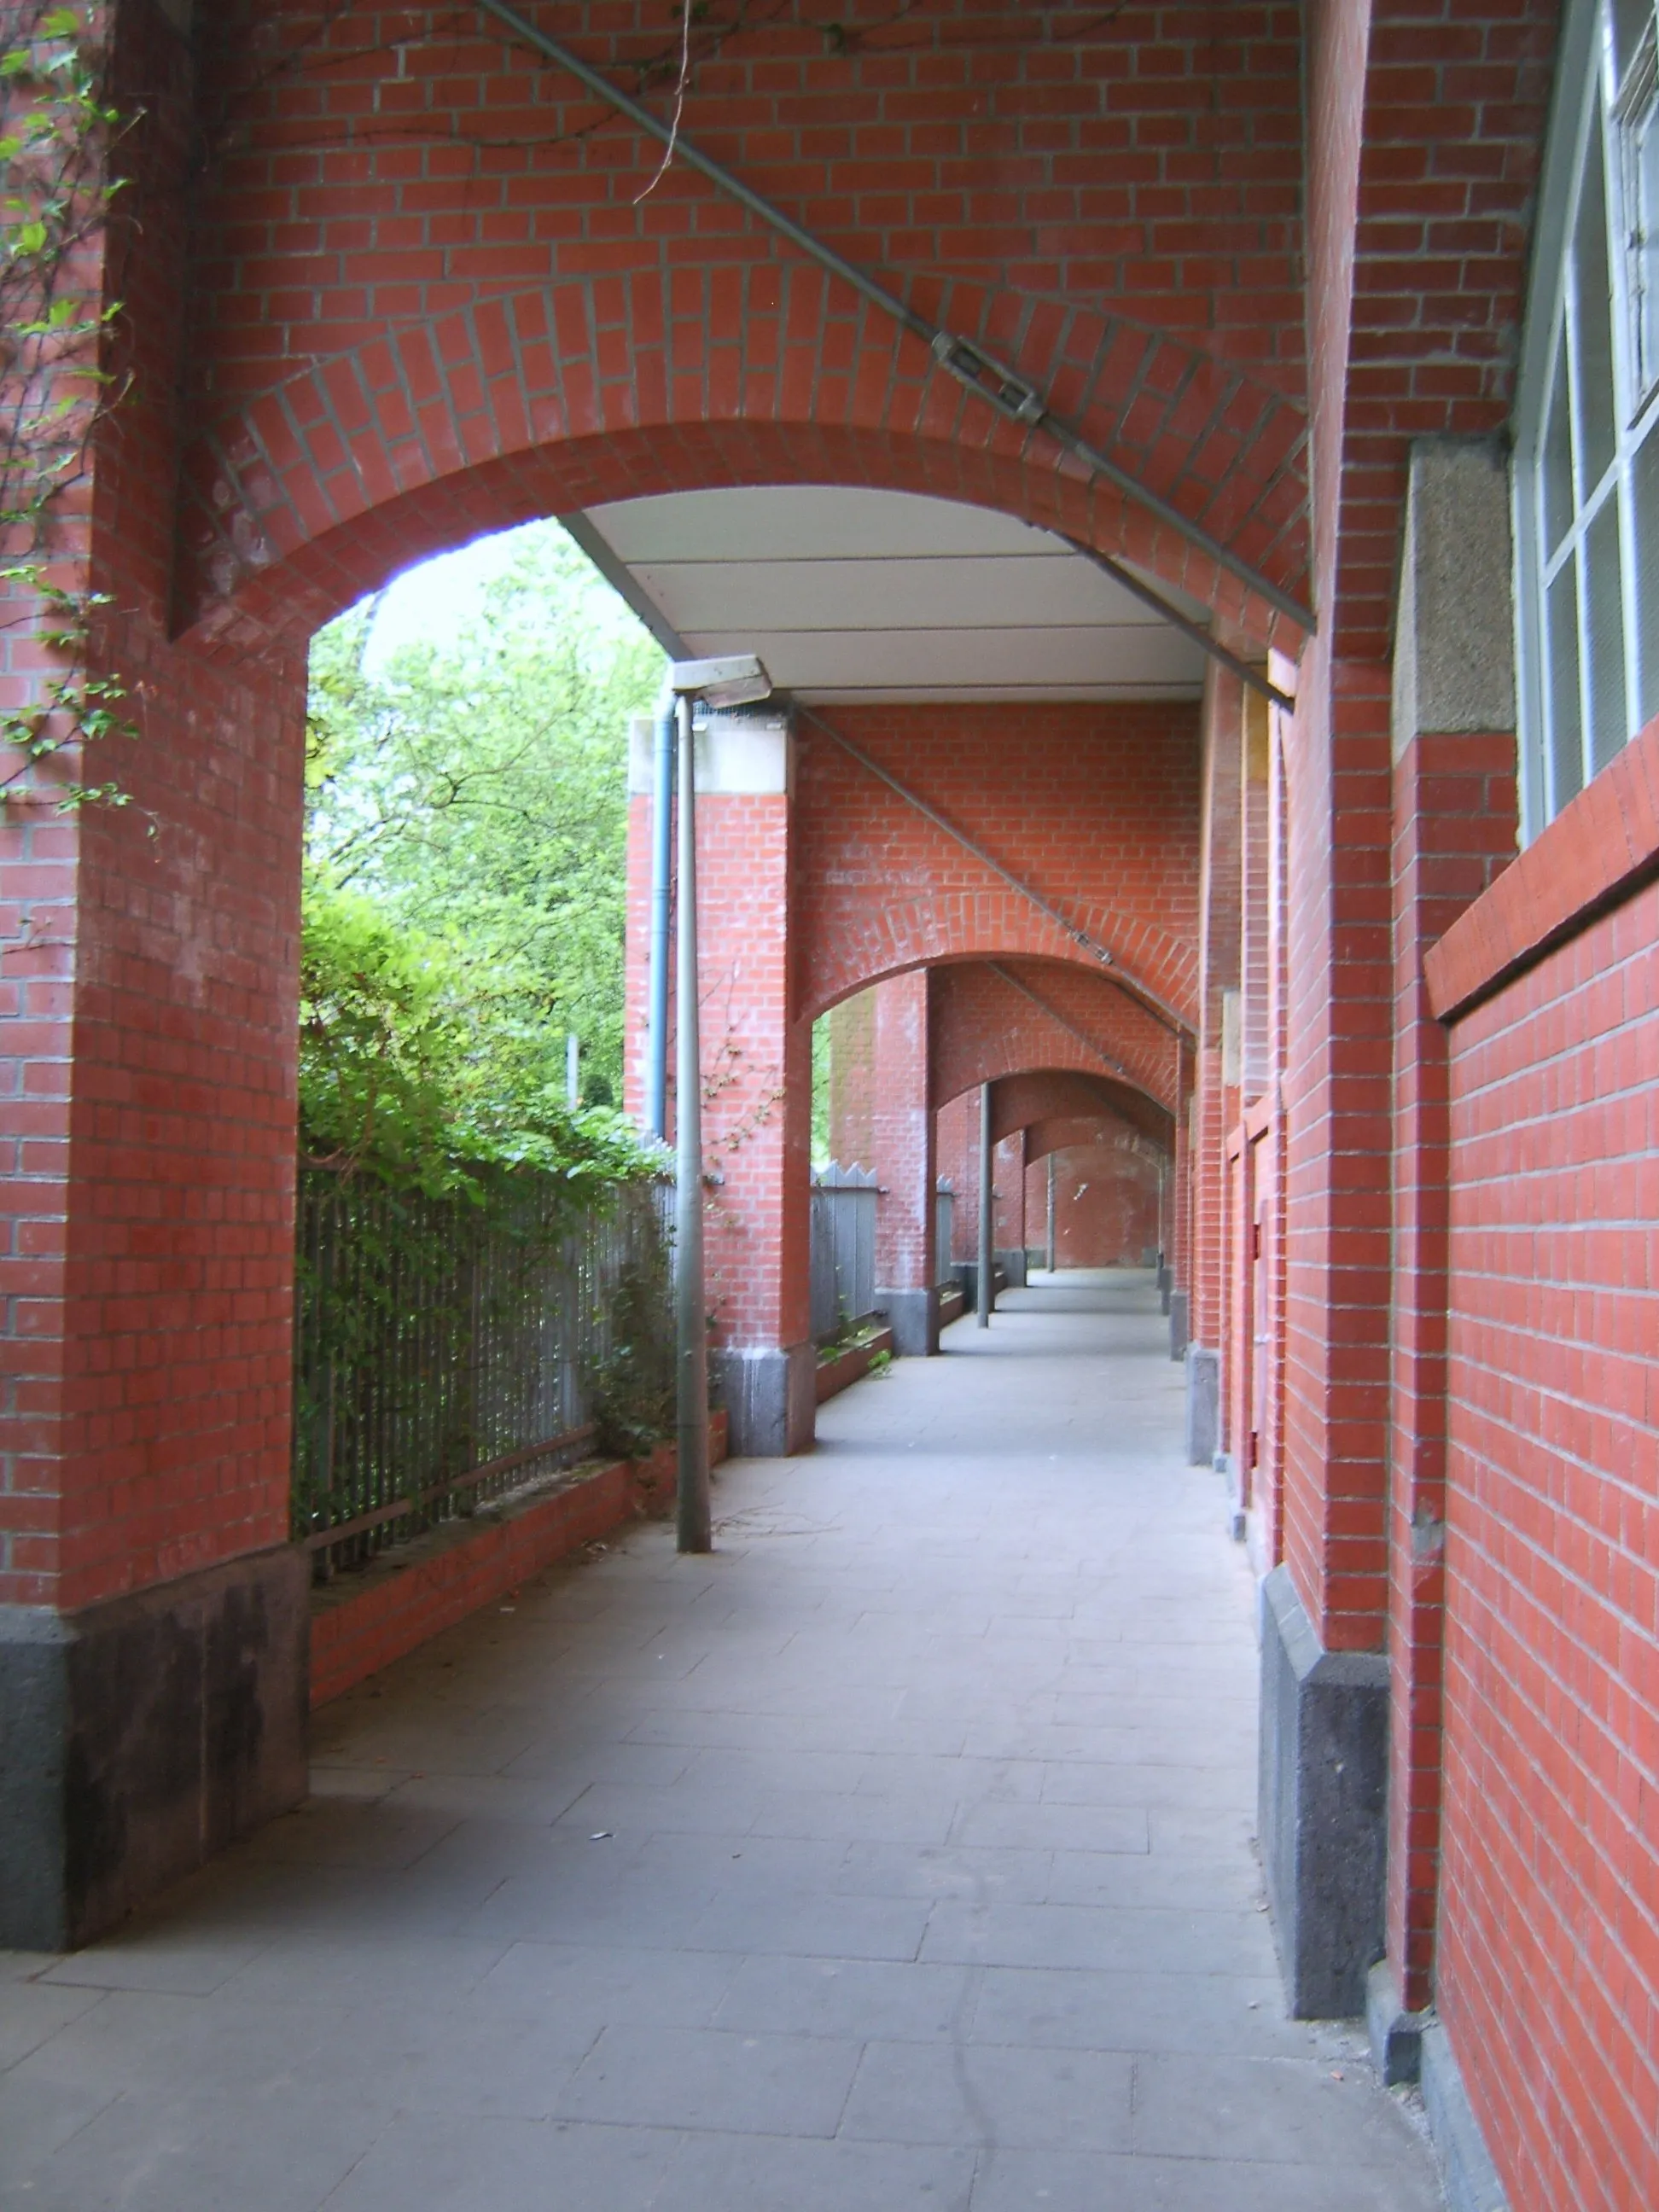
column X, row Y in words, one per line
column 1008, row 391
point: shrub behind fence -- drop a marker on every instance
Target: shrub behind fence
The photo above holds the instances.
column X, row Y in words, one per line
column 444, row 1352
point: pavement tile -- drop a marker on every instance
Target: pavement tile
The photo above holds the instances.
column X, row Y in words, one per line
column 924, row 1871
column 985, row 2095
column 712, row 2079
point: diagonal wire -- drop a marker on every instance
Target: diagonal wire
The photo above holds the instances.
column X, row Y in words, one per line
column 1013, row 396
column 1072, row 1029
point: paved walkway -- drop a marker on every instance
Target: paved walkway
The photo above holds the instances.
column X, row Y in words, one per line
column 898, row 1856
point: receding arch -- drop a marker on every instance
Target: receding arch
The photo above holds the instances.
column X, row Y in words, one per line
column 592, row 390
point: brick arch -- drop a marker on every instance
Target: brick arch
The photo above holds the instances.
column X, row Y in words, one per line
column 1102, row 823
column 1036, row 1095
column 988, row 1022
column 1100, row 1132
column 595, row 389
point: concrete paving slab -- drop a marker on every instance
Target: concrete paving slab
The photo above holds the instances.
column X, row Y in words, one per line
column 923, row 1874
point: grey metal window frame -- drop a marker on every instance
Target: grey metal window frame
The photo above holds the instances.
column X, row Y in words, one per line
column 1589, row 123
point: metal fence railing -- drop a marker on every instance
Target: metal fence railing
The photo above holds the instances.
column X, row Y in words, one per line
column 944, row 1228
column 843, row 1248
column 444, row 1353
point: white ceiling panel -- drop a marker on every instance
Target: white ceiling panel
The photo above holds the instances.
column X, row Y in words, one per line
column 773, row 522
column 847, row 593
column 891, row 594
column 958, row 660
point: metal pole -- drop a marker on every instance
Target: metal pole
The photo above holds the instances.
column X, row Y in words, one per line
column 691, row 1326
column 572, row 1070
column 987, row 1242
column 662, row 855
column 1051, row 1213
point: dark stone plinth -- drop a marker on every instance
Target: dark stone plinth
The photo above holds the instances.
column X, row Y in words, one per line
column 139, row 1736
column 1395, row 2034
column 770, row 1397
column 1323, row 1790
column 1466, row 2165
column 1203, row 1405
column 1177, row 1310
column 912, row 1316
column 1010, row 1265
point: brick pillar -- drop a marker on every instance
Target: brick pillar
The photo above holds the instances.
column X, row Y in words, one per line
column 902, row 1156
column 152, row 1614
column 1008, row 1180
column 757, row 1085
column 1243, row 1380
column 1216, row 1062
column 1455, row 828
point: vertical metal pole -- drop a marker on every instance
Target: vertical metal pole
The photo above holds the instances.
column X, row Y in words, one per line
column 1051, row 1213
column 691, row 1326
column 988, row 1242
column 572, row 1070
column 662, row 853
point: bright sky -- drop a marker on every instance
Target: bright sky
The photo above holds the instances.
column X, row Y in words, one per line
column 435, row 601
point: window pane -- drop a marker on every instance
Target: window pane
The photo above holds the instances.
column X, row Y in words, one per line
column 1642, row 138
column 1644, row 482
column 1630, row 19
column 1604, row 631
column 1592, row 366
column 1566, row 732
column 1558, row 454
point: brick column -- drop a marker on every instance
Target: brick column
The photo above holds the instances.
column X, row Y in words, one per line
column 903, row 1155
column 1455, row 828
column 1216, row 1063
column 757, row 1085
column 152, row 1614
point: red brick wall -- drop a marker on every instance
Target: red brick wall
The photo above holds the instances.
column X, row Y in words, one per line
column 882, row 888
column 1106, row 1198
column 1548, row 1969
column 147, row 974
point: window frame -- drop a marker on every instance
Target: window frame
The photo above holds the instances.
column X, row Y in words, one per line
column 1584, row 107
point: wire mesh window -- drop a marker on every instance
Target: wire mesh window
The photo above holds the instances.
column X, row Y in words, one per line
column 1587, row 475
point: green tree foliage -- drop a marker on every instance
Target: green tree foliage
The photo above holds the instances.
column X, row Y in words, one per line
column 465, row 882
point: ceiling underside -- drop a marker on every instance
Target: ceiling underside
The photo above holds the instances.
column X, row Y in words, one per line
column 854, row 596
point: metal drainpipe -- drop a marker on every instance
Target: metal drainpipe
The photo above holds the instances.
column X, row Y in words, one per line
column 1051, row 1213
column 662, row 853
column 988, row 1242
column 691, row 1408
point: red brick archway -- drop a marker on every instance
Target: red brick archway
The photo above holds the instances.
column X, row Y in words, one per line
column 991, row 1020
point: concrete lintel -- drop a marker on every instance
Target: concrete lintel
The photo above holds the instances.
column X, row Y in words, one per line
column 1454, row 659
column 141, row 1736
column 1466, row 2165
column 736, row 754
column 1323, row 1792
column 912, row 1316
column 770, row 1394
column 1203, row 1405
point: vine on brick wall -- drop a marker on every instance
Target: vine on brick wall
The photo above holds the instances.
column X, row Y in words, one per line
column 57, row 129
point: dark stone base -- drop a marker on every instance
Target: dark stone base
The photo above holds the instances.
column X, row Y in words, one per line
column 140, row 1736
column 770, row 1397
column 912, row 1316
column 1203, row 1405
column 1395, row 2036
column 1466, row 2165
column 1176, row 1309
column 1010, row 1265
column 1237, row 1520
column 968, row 1277
column 1324, row 1789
